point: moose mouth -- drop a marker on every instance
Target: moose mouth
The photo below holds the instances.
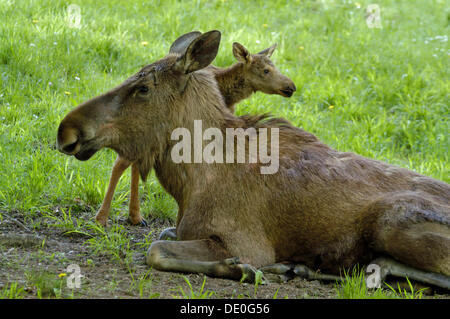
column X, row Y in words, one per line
column 85, row 154
column 287, row 93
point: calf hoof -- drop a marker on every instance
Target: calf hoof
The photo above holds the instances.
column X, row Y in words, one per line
column 137, row 220
column 144, row 223
column 168, row 234
column 140, row 222
column 101, row 219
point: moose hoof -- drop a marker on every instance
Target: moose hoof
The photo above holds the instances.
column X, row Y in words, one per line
column 279, row 269
column 249, row 274
column 168, row 234
column 275, row 278
column 231, row 261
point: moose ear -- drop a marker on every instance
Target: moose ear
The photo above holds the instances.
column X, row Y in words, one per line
column 200, row 53
column 268, row 52
column 241, row 53
column 181, row 44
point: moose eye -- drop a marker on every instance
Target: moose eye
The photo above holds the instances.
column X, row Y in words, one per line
column 266, row 71
column 143, row 89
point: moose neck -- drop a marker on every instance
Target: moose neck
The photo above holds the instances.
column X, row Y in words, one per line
column 233, row 84
column 201, row 102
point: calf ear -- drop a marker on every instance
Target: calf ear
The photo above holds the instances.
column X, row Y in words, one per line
column 200, row 53
column 181, row 44
column 241, row 53
column 268, row 52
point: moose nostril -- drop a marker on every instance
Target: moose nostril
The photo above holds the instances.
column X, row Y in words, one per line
column 291, row 88
column 288, row 91
column 68, row 138
column 70, row 148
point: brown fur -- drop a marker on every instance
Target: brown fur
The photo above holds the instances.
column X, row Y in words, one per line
column 324, row 208
column 236, row 83
column 248, row 76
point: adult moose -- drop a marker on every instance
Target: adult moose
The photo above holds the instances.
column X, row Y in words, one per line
column 252, row 73
column 323, row 208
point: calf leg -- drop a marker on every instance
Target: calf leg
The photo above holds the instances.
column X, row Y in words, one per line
column 135, row 214
column 197, row 256
column 120, row 165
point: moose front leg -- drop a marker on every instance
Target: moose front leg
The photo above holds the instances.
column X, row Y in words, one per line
column 284, row 272
column 198, row 256
column 309, row 274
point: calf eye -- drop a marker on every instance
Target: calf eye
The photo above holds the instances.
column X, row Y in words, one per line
column 143, row 89
column 266, row 71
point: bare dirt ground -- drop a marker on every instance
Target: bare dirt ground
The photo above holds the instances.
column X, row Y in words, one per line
column 35, row 260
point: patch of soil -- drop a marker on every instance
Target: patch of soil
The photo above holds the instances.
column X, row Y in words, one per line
column 26, row 251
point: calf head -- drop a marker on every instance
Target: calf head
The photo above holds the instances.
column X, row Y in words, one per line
column 261, row 73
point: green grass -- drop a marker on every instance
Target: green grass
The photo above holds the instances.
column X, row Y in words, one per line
column 12, row 291
column 46, row 284
column 191, row 293
column 354, row 287
column 143, row 285
column 382, row 93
